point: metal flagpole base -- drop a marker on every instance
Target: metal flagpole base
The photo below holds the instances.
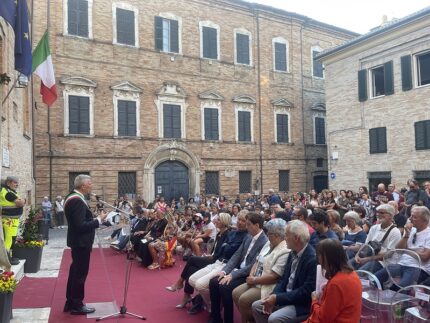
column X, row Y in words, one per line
column 122, row 311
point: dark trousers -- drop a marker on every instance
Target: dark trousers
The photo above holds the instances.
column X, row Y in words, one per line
column 223, row 294
column 193, row 264
column 77, row 275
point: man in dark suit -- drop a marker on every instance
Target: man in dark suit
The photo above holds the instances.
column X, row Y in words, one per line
column 291, row 297
column 80, row 238
column 236, row 270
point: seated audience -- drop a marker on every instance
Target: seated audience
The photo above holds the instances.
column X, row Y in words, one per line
column 355, row 235
column 334, row 219
column 301, row 213
column 236, row 270
column 319, row 220
column 416, row 237
column 207, row 233
column 385, row 231
column 291, row 296
column 340, row 301
column 266, row 271
column 138, row 224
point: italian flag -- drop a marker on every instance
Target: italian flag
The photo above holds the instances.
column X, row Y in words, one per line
column 42, row 67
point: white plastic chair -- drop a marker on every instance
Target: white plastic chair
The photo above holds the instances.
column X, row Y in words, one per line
column 371, row 289
column 403, row 267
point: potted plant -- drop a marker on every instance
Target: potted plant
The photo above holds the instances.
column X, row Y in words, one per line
column 7, row 287
column 29, row 245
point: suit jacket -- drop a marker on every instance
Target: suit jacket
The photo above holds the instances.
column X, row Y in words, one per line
column 232, row 242
column 239, row 255
column 81, row 224
column 303, row 284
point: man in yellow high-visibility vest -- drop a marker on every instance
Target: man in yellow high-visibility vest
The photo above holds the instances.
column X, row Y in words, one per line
column 11, row 210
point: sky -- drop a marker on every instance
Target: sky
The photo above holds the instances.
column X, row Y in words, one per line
column 355, row 15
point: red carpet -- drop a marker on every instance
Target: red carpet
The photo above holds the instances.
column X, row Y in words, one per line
column 146, row 294
column 34, row 293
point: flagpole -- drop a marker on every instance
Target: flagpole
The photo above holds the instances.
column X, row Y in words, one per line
column 48, row 24
column 33, row 106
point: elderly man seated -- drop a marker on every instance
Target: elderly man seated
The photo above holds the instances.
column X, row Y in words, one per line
column 384, row 232
column 416, row 237
column 291, row 297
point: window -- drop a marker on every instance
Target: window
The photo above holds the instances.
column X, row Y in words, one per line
column 284, row 180
column 280, row 54
column 245, row 181
column 166, row 35
column 381, row 81
column 423, row 69
column 211, row 122
column 172, row 121
column 126, row 118
column 375, row 178
column 79, row 115
column 127, row 183
column 319, row 127
column 320, row 162
column 244, row 125
column 243, row 47
column 422, row 135
column 77, row 20
column 317, row 67
column 378, row 140
column 125, row 32
column 72, row 176
column 282, row 128
column 209, row 36
column 212, row 183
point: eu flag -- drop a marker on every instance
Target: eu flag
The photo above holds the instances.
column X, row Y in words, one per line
column 23, row 57
column 7, row 11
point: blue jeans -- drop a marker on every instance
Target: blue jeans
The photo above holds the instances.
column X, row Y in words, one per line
column 408, row 275
column 372, row 266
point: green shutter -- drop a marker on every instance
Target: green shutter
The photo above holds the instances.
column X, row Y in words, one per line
column 422, row 135
column 378, row 140
column 282, row 127
column 82, row 18
column 174, row 36
column 242, row 49
column 388, row 78
column 362, row 85
column 280, row 57
column 125, row 33
column 406, row 63
column 210, row 46
column 158, row 33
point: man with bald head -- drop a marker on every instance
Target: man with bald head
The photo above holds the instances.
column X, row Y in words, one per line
column 381, row 196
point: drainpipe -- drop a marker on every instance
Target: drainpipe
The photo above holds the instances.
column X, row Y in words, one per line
column 49, row 117
column 33, row 105
column 303, row 105
column 260, row 139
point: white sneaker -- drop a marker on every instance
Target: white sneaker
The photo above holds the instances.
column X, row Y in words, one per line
column 114, row 242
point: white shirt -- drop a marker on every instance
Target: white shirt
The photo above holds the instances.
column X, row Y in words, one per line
column 376, row 233
column 210, row 226
column 422, row 241
column 254, row 239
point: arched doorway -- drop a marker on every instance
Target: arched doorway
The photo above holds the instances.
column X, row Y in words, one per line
column 171, row 180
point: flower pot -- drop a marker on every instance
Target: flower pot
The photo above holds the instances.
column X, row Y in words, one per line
column 5, row 307
column 32, row 256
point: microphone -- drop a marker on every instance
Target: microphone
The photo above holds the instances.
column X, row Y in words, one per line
column 96, row 196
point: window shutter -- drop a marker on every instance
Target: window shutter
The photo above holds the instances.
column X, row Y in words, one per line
column 244, row 125
column 242, row 48
column 176, row 121
column 406, row 63
column 280, row 57
column 282, row 127
column 73, row 114
column 317, row 65
column 82, row 15
column 174, row 36
column 84, row 115
column 422, row 135
column 122, row 118
column 362, row 85
column 211, row 124
column 319, row 131
column 378, row 140
column 158, row 33
column 125, row 27
column 210, row 43
column 167, row 121
column 131, row 118
column 72, row 17
column 382, row 140
column 388, row 78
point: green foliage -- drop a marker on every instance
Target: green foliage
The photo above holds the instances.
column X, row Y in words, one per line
column 30, row 236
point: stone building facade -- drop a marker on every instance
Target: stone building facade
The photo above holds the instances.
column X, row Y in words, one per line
column 378, row 97
column 16, row 120
column 178, row 97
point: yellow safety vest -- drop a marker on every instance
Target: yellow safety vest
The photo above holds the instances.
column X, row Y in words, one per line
column 8, row 208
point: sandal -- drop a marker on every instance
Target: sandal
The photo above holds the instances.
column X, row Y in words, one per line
column 175, row 287
column 153, row 266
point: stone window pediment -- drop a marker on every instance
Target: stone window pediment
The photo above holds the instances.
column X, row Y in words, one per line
column 243, row 98
column 78, row 81
column 282, row 103
column 172, row 89
column 126, row 86
column 211, row 95
column 319, row 107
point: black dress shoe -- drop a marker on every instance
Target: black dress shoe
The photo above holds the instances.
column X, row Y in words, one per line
column 82, row 310
column 67, row 308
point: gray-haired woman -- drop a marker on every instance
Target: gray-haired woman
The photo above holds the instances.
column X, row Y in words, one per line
column 354, row 235
column 267, row 270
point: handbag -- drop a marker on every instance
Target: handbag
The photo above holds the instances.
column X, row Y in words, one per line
column 377, row 245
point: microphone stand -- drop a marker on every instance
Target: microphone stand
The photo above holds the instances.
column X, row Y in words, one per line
column 123, row 309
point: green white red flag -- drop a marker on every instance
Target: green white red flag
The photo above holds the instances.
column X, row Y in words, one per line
column 42, row 67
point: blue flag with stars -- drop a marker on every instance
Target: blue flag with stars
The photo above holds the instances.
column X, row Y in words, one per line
column 23, row 58
column 8, row 10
